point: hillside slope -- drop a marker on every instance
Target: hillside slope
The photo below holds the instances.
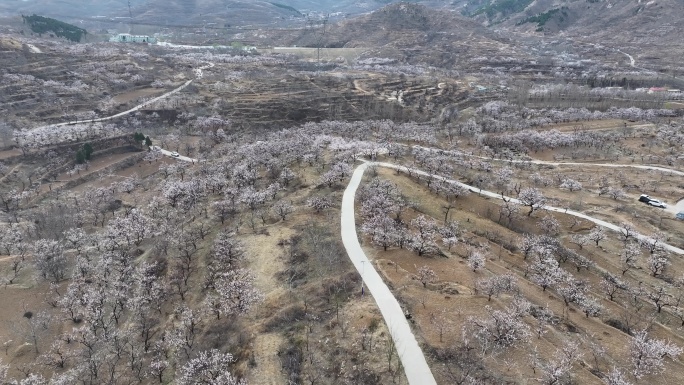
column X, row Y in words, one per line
column 221, row 12
column 68, row 8
column 649, row 29
column 410, row 33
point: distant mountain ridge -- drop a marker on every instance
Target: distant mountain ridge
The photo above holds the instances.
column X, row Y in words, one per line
column 648, row 28
column 592, row 13
column 408, row 33
column 68, row 8
column 188, row 11
column 651, row 28
column 596, row 15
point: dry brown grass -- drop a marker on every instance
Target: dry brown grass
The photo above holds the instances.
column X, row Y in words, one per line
column 455, row 292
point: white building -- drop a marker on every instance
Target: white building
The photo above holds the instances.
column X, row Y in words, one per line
column 128, row 38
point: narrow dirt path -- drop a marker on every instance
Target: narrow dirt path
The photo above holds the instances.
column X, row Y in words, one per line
column 9, row 258
column 10, row 172
column 359, row 88
column 267, row 370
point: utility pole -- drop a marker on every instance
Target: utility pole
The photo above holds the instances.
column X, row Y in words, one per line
column 130, row 18
column 320, row 38
column 363, row 269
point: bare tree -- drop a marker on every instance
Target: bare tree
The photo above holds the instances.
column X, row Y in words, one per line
column 629, row 257
column 557, row 370
column 441, row 321
column 37, row 327
column 493, row 286
column 660, row 297
column 597, row 234
column 283, row 209
column 509, row 209
column 580, row 240
column 627, row 232
column 612, row 285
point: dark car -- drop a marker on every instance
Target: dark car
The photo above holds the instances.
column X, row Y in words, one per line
column 644, row 198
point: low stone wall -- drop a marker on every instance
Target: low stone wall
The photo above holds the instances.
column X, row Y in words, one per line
column 70, row 149
column 125, row 163
column 71, row 164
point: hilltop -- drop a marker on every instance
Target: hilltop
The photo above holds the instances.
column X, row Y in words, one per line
column 651, row 26
column 406, row 32
column 193, row 12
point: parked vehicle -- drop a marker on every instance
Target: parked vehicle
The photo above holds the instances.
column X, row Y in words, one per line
column 680, row 216
column 175, row 154
column 651, row 202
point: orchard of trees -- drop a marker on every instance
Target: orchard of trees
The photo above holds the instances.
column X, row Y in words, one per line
column 148, row 272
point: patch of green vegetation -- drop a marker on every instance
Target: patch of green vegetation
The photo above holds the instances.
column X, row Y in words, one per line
column 41, row 25
column 672, row 106
column 542, row 18
column 289, row 8
column 504, row 7
column 141, row 138
column 84, row 153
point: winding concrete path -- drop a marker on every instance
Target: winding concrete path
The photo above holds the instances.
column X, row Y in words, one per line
column 179, row 157
column 134, row 109
column 677, row 208
column 198, row 72
column 632, row 62
column 535, row 161
column 674, row 209
column 33, row 48
column 411, row 355
column 491, row 194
